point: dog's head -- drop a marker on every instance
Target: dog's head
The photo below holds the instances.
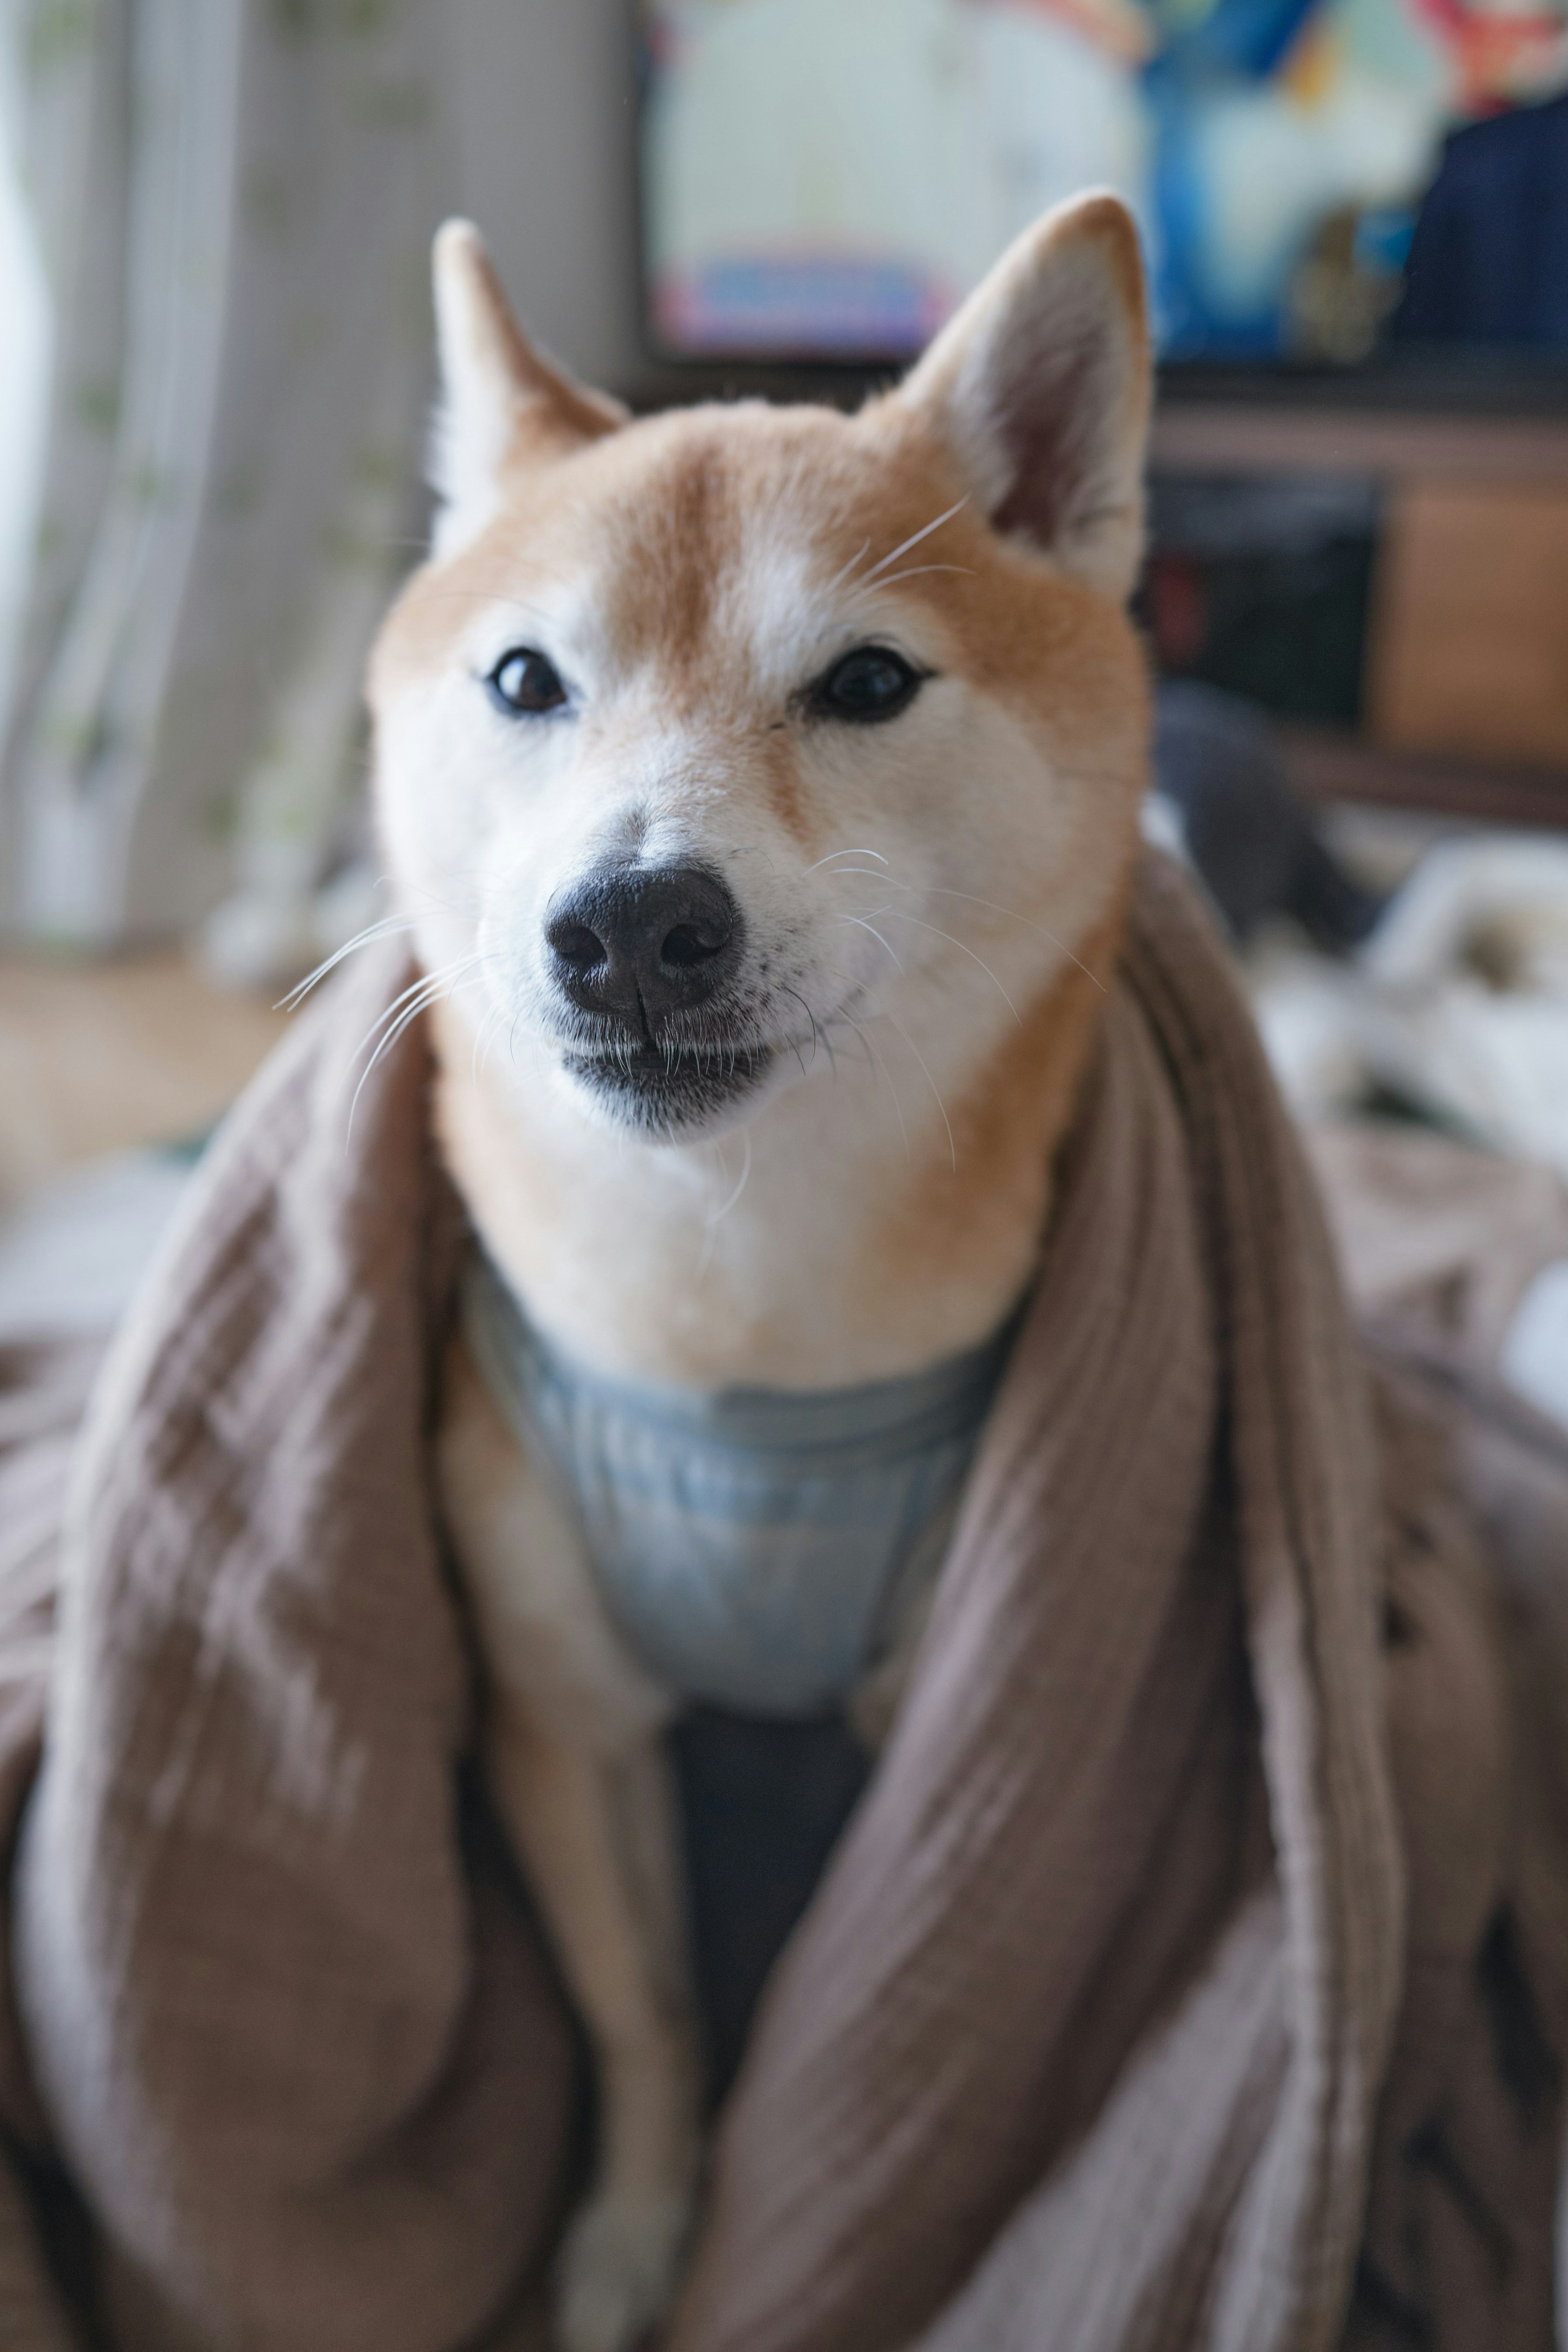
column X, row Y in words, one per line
column 709, row 739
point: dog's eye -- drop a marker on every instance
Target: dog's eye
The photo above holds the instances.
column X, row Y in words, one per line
column 525, row 680
column 871, row 683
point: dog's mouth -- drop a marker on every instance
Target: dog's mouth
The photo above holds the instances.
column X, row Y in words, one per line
column 662, row 1088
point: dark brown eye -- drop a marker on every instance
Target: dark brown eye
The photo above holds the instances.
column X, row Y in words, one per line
column 872, row 683
column 526, row 682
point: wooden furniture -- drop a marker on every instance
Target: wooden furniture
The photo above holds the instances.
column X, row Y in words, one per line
column 1465, row 696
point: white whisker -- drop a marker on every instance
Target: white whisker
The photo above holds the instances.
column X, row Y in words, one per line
column 937, row 891
column 902, row 1032
column 845, row 570
column 914, row 571
column 845, row 853
column 811, row 1017
column 879, row 1062
column 376, row 931
column 901, row 916
column 1013, row 916
column 433, row 988
column 399, row 1016
column 392, row 1012
column 719, row 1214
column 876, row 936
column 484, row 1036
column 913, row 541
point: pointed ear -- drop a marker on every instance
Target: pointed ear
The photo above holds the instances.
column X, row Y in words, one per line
column 503, row 405
column 1041, row 386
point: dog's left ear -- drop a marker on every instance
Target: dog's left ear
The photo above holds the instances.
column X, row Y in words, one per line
column 503, row 405
column 1041, row 386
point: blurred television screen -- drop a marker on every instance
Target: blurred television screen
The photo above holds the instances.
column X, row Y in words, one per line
column 826, row 179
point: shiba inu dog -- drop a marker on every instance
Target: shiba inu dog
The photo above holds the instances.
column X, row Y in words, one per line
column 762, row 786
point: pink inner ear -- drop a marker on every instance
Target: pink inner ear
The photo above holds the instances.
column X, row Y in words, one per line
column 1054, row 403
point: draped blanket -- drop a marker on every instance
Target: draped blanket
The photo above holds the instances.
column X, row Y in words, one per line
column 1193, row 1971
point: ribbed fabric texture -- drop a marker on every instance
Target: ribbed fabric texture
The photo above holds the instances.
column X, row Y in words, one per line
column 760, row 1550
column 1184, row 1977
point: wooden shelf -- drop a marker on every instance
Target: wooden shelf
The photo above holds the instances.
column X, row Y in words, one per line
column 1236, row 439
column 1331, row 766
column 1468, row 634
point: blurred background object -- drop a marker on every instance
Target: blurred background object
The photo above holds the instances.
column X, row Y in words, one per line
column 830, row 176
column 215, row 370
column 93, row 1058
column 1252, row 840
column 220, row 210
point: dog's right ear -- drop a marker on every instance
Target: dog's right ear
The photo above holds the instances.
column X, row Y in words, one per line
column 1040, row 385
column 504, row 406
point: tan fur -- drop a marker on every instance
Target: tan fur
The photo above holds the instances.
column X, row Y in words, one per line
column 1006, row 1130
column 932, row 909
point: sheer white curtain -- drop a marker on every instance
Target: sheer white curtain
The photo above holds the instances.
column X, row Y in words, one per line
column 214, row 218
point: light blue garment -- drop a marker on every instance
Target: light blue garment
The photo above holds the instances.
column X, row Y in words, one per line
column 758, row 1549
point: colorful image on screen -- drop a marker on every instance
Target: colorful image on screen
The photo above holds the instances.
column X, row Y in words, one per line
column 827, row 178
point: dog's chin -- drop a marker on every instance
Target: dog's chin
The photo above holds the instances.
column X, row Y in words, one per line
column 669, row 1097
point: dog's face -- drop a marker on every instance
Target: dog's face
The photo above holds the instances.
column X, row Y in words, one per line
column 709, row 744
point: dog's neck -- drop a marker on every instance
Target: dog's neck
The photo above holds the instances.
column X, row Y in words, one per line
column 863, row 1227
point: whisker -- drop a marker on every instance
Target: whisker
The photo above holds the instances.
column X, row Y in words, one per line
column 902, row 1032
column 1013, row 916
column 876, row 936
column 880, row 1063
column 845, row 853
column 846, row 568
column 753, row 849
column 437, row 985
column 391, row 1010
column 832, row 1021
column 915, row 572
column 482, row 595
column 811, row 1017
column 914, row 540
column 453, row 971
column 904, row 918
column 719, row 1216
column 376, row 931
column 891, row 882
column 364, row 1081
column 483, row 1038
column 433, row 994
column 818, row 1031
column 399, row 1016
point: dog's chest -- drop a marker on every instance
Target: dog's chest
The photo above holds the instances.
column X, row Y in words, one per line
column 759, row 1549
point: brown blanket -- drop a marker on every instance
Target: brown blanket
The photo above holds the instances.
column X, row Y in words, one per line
column 1193, row 1970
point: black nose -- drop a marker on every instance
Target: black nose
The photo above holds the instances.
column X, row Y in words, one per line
column 642, row 942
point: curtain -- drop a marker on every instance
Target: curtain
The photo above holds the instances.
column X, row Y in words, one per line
column 214, row 224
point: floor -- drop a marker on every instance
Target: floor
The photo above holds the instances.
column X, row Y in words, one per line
column 96, row 1057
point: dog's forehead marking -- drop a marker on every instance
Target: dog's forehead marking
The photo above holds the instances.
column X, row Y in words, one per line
column 719, row 537
column 662, row 541
column 716, row 538
column 729, row 544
